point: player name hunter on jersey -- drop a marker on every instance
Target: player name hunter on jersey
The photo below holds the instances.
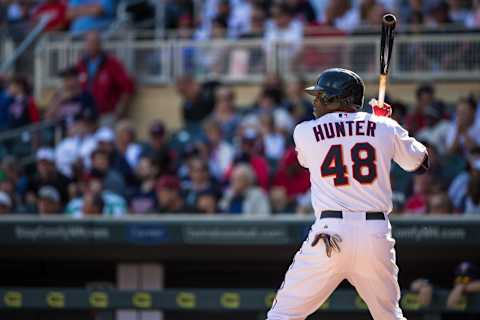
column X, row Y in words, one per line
column 331, row 130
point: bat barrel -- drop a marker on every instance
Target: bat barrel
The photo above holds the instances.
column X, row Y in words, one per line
column 389, row 20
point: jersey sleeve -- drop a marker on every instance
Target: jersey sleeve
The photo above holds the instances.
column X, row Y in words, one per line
column 300, row 156
column 408, row 152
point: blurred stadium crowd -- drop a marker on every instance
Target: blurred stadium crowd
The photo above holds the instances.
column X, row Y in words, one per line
column 240, row 18
column 228, row 158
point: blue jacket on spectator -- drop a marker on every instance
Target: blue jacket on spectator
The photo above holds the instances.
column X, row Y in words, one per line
column 89, row 23
column 5, row 101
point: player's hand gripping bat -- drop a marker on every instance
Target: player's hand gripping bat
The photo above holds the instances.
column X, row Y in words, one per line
column 386, row 47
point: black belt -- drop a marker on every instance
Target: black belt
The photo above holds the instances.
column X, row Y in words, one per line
column 377, row 215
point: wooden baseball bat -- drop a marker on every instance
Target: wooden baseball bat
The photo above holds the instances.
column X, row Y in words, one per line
column 386, row 47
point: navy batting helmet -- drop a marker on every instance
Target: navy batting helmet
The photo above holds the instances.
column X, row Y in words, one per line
column 339, row 85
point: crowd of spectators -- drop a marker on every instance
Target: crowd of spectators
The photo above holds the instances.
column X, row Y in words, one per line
column 77, row 16
column 242, row 18
column 228, row 158
column 466, row 282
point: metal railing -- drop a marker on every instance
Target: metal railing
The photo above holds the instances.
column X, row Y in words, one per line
column 7, row 46
column 21, row 143
column 157, row 60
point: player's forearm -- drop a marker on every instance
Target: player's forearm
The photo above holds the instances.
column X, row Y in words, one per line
column 472, row 287
column 425, row 295
column 455, row 296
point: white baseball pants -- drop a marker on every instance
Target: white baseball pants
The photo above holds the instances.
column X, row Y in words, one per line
column 366, row 260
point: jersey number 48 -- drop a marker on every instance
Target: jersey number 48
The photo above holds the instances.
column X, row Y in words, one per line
column 364, row 166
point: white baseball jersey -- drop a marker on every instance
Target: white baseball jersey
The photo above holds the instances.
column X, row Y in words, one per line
column 349, row 157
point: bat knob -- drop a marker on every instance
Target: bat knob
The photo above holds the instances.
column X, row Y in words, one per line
column 389, row 20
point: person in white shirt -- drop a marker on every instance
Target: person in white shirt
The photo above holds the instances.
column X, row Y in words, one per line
column 78, row 145
column 342, row 15
column 285, row 30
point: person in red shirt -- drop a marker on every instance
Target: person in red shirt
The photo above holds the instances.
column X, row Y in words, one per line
column 105, row 78
column 418, row 119
column 56, row 8
column 291, row 176
column 249, row 153
column 418, row 201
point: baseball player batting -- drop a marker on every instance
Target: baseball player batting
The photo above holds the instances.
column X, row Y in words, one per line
column 348, row 153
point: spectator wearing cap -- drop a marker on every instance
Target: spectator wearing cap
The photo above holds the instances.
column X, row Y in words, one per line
column 207, row 202
column 197, row 102
column 199, row 181
column 169, row 197
column 90, row 15
column 112, row 204
column 424, row 290
column 249, row 153
column 298, row 105
column 220, row 152
column 46, row 174
column 70, row 100
column 105, row 140
column 22, row 109
column 158, row 150
column 73, row 152
column 142, row 199
column 464, row 133
column 6, row 206
column 243, row 197
column 101, row 167
column 49, row 201
column 466, row 282
column 105, row 78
